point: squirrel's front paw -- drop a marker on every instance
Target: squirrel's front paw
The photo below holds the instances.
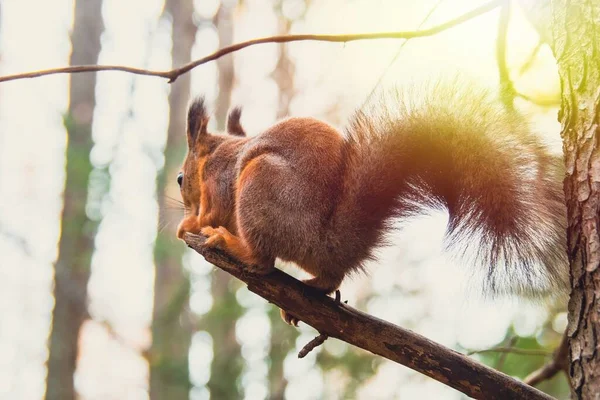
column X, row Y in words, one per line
column 221, row 238
column 215, row 237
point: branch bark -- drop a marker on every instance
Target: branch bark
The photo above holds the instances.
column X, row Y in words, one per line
column 337, row 320
column 175, row 73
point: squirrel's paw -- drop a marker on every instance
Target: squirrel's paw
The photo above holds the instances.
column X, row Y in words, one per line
column 288, row 318
column 293, row 321
column 215, row 237
column 222, row 239
column 322, row 284
column 259, row 269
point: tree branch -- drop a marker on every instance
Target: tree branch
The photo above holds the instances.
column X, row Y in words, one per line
column 502, row 358
column 513, row 350
column 558, row 363
column 507, row 89
column 173, row 74
column 540, row 101
column 337, row 320
column 532, row 57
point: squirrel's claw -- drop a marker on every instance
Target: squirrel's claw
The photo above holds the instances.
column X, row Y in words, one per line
column 288, row 318
column 293, row 321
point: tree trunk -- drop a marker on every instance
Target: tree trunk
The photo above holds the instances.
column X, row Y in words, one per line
column 72, row 268
column 171, row 326
column 576, row 45
column 220, row 321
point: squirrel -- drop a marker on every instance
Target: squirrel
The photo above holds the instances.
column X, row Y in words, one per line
column 303, row 191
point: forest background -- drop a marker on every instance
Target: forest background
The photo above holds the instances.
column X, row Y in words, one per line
column 97, row 297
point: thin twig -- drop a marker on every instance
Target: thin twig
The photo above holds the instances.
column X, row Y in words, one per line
column 508, row 92
column 558, row 363
column 173, row 74
column 319, row 340
column 387, row 68
column 507, row 89
column 525, row 67
column 502, row 358
column 543, row 102
column 514, row 350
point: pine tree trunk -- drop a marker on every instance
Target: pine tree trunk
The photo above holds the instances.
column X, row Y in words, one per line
column 576, row 30
column 171, row 326
column 72, row 268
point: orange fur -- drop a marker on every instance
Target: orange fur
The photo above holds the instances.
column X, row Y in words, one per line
column 233, row 245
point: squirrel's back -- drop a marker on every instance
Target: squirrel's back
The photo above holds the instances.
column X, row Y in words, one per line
column 460, row 150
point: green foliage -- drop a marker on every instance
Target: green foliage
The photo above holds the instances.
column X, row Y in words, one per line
column 521, row 365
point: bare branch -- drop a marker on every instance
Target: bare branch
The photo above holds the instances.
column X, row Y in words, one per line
column 527, row 65
column 173, row 74
column 558, row 363
column 513, row 350
column 502, row 358
column 393, row 60
column 507, row 89
column 319, row 340
column 337, row 320
column 540, row 101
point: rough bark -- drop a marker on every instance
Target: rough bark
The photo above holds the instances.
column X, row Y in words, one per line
column 227, row 365
column 171, row 325
column 72, row 268
column 576, row 44
column 337, row 320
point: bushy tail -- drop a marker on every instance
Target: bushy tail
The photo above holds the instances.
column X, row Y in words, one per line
column 460, row 150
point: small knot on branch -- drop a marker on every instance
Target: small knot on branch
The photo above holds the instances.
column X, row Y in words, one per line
column 319, row 340
column 316, row 342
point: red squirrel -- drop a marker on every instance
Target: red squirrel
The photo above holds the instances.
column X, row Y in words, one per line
column 304, row 192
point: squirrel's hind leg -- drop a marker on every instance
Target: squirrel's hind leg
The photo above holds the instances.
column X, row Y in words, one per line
column 325, row 283
column 238, row 248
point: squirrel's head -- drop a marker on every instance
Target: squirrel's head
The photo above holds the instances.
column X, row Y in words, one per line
column 193, row 177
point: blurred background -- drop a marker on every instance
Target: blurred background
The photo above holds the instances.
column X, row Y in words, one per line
column 98, row 300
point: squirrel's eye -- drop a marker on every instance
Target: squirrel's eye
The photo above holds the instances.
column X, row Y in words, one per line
column 180, row 179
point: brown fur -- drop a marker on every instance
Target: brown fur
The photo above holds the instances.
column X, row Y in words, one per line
column 303, row 192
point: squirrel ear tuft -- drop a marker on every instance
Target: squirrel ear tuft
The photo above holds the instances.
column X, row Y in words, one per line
column 234, row 127
column 197, row 120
